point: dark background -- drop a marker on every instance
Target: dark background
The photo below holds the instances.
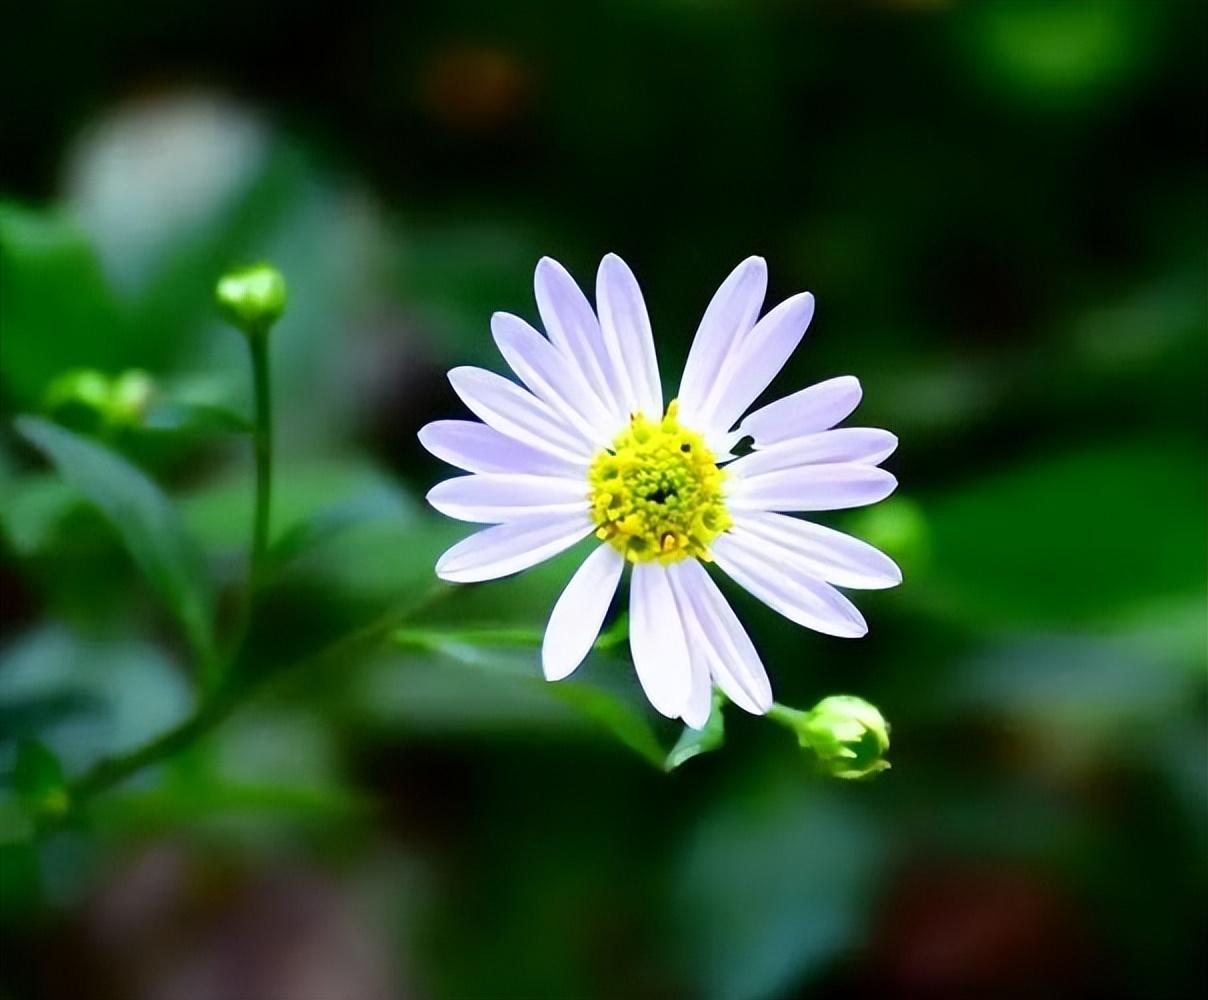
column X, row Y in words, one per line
column 1001, row 210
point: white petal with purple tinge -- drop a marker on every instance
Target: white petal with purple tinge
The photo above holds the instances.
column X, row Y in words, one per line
column 573, row 329
column 816, row 408
column 757, row 565
column 495, row 497
column 517, row 413
column 657, row 641
column 579, row 612
column 504, row 549
column 475, row 447
column 861, row 445
column 730, row 315
column 734, row 663
column 758, row 360
column 822, row 552
column 811, row 487
column 551, row 377
column 627, row 335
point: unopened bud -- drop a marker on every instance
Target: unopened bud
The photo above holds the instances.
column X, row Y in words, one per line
column 252, row 298
column 848, row 734
column 93, row 400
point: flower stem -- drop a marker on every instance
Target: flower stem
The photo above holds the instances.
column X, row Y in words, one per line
column 788, row 717
column 262, row 444
column 215, row 708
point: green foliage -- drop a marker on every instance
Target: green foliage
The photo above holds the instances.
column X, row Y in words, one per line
column 41, row 256
column 142, row 516
column 694, row 742
column 1005, row 236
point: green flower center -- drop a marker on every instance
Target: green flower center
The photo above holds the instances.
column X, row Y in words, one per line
column 656, row 493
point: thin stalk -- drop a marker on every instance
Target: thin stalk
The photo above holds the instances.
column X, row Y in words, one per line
column 262, row 444
column 229, row 697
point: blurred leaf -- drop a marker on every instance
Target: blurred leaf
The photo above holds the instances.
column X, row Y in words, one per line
column 21, row 886
column 85, row 699
column 460, row 644
column 497, row 683
column 141, row 514
column 1060, row 54
column 627, row 720
column 1084, row 537
column 55, row 309
column 375, row 503
column 626, row 717
column 206, row 804
column 313, row 501
column 195, row 419
column 16, row 825
column 32, row 507
column 773, row 884
column 38, row 779
column 694, row 742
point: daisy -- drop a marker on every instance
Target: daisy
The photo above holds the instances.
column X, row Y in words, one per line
column 585, row 447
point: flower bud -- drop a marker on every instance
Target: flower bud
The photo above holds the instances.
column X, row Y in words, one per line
column 129, row 395
column 252, row 298
column 85, row 388
column 849, row 735
column 90, row 399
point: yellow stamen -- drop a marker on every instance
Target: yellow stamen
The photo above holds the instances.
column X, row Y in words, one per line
column 656, row 493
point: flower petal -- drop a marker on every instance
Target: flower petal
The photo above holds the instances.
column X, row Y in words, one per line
column 579, row 612
column 728, row 319
column 573, row 329
column 822, row 552
column 657, row 642
column 716, row 630
column 759, row 358
column 626, row 328
column 496, row 497
column 861, row 445
column 552, row 378
column 816, row 408
column 812, row 487
column 504, row 549
column 758, row 566
column 517, row 413
column 699, row 705
column 476, row 447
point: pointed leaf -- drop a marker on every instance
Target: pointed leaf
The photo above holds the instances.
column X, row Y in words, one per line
column 141, row 514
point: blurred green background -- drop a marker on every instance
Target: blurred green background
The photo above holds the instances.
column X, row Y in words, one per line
column 1001, row 208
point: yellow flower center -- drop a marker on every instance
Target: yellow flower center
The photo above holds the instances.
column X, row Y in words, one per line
column 656, row 493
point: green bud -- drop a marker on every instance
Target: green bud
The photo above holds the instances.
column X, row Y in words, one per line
column 849, row 736
column 82, row 387
column 89, row 398
column 252, row 298
column 129, row 395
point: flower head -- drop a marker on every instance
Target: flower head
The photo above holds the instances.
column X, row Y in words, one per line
column 252, row 298
column 586, row 447
column 849, row 735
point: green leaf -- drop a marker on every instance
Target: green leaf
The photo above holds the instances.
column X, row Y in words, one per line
column 86, row 698
column 38, row 779
column 774, row 883
column 143, row 517
column 198, row 419
column 1091, row 537
column 32, row 507
column 56, row 310
column 502, row 682
column 694, row 742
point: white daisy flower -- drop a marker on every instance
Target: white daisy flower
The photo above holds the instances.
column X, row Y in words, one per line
column 586, row 447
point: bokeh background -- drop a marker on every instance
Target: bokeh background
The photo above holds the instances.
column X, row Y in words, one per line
column 1001, row 209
